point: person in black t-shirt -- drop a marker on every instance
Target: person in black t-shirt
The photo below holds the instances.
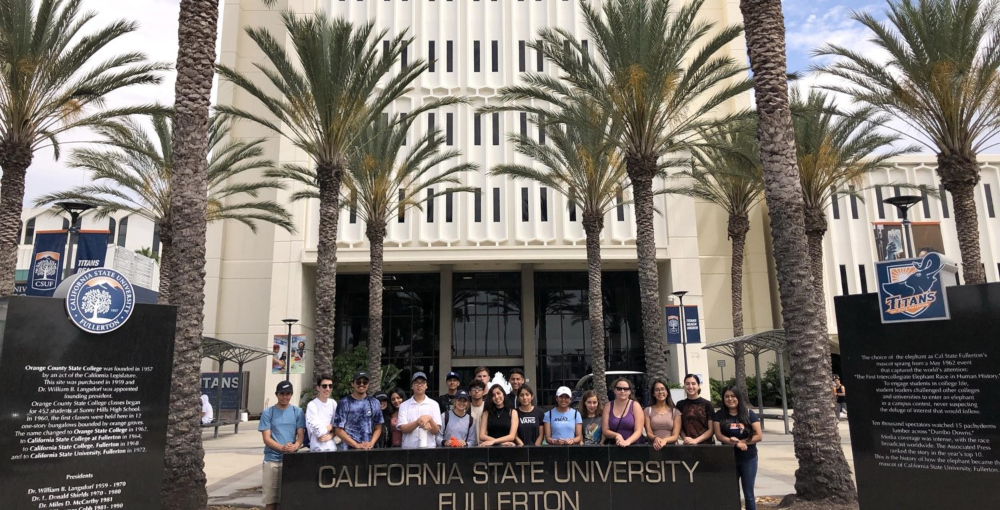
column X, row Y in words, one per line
column 696, row 414
column 446, row 401
column 530, row 418
column 841, row 393
column 735, row 424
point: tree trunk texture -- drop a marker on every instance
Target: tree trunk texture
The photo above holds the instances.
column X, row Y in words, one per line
column 184, row 477
column 960, row 175
column 739, row 226
column 823, row 473
column 376, row 239
column 166, row 262
column 14, row 160
column 641, row 171
column 593, row 224
column 330, row 176
column 816, row 227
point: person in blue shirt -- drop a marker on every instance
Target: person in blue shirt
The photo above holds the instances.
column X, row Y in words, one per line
column 563, row 424
column 358, row 419
column 282, row 426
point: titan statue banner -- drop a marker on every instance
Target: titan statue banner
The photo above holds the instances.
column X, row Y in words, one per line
column 91, row 249
column 46, row 263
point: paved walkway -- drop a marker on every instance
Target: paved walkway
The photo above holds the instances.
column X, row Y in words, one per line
column 232, row 463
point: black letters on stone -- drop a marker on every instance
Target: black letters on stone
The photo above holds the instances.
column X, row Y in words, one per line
column 84, row 416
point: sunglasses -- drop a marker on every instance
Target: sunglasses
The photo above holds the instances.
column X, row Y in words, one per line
column 362, row 382
column 326, row 386
column 620, row 388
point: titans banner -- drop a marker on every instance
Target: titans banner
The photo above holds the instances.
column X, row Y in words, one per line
column 914, row 289
column 91, row 248
column 46, row 263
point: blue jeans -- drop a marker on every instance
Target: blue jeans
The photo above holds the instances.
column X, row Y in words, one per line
column 746, row 469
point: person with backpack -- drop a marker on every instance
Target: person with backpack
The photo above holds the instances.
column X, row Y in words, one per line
column 458, row 426
column 282, row 427
column 563, row 424
column 358, row 419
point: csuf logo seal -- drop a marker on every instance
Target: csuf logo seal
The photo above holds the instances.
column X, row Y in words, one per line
column 100, row 300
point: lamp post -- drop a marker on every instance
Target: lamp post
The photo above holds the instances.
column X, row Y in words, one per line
column 75, row 209
column 903, row 203
column 680, row 297
column 288, row 361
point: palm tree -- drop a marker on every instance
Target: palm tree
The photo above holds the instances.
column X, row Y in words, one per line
column 726, row 171
column 834, row 150
column 51, row 82
column 133, row 173
column 660, row 75
column 184, row 479
column 941, row 80
column 327, row 92
column 823, row 473
column 583, row 164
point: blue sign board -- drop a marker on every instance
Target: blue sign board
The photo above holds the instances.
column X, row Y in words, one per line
column 232, row 392
column 46, row 263
column 693, row 327
column 912, row 290
column 91, row 249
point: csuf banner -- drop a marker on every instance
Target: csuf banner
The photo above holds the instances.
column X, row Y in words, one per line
column 91, row 249
column 46, row 263
column 674, row 324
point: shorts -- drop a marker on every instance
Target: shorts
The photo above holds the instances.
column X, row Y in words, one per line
column 272, row 483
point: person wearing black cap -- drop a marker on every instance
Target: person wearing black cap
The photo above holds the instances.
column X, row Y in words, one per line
column 358, row 418
column 446, row 400
column 458, row 427
column 419, row 418
column 282, row 426
column 383, row 401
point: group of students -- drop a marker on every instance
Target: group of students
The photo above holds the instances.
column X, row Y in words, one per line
column 463, row 418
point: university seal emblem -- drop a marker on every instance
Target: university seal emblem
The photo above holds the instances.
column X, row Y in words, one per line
column 100, row 300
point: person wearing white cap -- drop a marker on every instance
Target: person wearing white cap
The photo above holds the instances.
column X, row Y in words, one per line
column 419, row 418
column 563, row 424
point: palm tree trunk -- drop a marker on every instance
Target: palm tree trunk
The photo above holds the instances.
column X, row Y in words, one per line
column 960, row 175
column 14, row 160
column 329, row 177
column 593, row 224
column 823, row 473
column 166, row 262
column 376, row 238
column 816, row 227
column 184, row 475
column 641, row 171
column 739, row 226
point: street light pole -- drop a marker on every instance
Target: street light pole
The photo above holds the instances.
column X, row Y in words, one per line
column 903, row 203
column 680, row 297
column 74, row 209
column 288, row 360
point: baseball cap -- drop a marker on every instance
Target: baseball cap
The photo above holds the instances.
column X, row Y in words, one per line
column 360, row 375
column 284, row 387
column 452, row 375
column 563, row 390
column 381, row 396
column 462, row 394
column 418, row 375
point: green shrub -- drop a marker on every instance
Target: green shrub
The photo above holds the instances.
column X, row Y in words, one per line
column 345, row 365
column 770, row 386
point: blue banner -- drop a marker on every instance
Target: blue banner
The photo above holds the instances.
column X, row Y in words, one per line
column 232, row 392
column 46, row 263
column 674, row 324
column 91, row 249
column 914, row 289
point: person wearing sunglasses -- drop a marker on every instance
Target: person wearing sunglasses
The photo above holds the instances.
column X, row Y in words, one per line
column 319, row 417
column 358, row 419
column 419, row 417
column 623, row 420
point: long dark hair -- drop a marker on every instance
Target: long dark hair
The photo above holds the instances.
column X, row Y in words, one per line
column 390, row 409
column 489, row 401
column 524, row 388
column 583, row 404
column 742, row 411
column 652, row 390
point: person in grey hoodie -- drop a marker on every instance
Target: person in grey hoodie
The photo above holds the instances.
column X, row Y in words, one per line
column 458, row 428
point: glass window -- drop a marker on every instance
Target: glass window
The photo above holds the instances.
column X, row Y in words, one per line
column 486, row 314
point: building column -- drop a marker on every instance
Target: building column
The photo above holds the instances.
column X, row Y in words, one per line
column 529, row 347
column 445, row 311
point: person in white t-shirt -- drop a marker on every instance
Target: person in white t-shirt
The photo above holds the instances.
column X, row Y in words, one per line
column 319, row 417
column 419, row 417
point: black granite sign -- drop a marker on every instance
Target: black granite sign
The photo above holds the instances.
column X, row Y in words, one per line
column 922, row 401
column 542, row 478
column 84, row 416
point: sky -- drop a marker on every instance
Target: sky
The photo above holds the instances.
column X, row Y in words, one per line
column 809, row 24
